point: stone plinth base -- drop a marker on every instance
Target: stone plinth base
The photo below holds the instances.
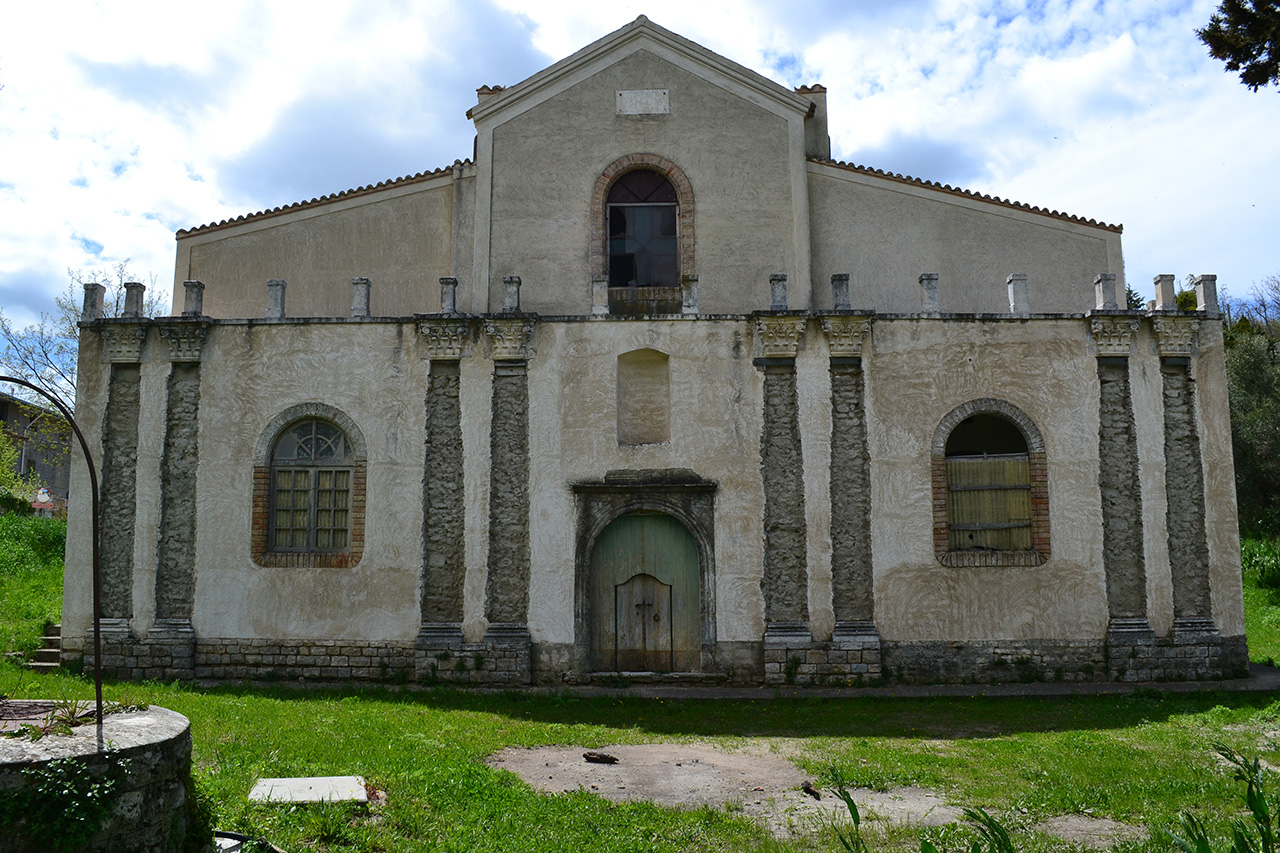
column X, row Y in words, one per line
column 994, row 661
column 854, row 653
column 1194, row 651
column 318, row 660
column 508, row 651
column 171, row 648
column 790, row 656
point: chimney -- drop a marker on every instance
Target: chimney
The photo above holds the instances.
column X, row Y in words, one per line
column 816, row 141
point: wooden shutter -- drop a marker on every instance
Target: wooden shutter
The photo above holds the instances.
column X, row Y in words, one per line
column 989, row 502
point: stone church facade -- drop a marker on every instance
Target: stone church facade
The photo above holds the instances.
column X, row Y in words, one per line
column 651, row 387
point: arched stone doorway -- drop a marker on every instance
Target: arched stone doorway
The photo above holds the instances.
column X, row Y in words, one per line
column 645, row 598
column 645, row 548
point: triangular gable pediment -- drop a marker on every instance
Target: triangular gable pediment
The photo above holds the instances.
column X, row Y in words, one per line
column 640, row 34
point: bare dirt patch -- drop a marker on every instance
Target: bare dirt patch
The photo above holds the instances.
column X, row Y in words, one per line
column 1099, row 833
column 762, row 783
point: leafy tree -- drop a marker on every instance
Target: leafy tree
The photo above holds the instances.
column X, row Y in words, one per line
column 1246, row 35
column 45, row 353
column 1253, row 382
column 16, row 491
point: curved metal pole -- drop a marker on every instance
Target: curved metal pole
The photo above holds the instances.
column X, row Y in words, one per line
column 97, row 578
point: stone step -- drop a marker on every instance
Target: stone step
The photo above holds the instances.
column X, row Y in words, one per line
column 53, row 631
column 41, row 666
column 47, row 655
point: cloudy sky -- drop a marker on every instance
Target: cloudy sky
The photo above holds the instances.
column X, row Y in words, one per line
column 123, row 122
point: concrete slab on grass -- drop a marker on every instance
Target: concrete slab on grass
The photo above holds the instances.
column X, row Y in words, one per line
column 310, row 789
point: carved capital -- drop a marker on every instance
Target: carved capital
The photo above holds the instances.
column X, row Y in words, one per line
column 509, row 339
column 780, row 336
column 845, row 334
column 1113, row 333
column 122, row 342
column 1175, row 335
column 185, row 340
column 445, row 338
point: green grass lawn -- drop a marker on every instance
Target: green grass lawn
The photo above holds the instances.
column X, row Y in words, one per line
column 30, row 579
column 1261, row 619
column 1140, row 759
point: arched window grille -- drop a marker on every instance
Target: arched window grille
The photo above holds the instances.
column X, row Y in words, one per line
column 311, row 481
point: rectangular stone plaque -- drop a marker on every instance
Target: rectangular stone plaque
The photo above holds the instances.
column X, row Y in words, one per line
column 310, row 789
column 643, row 102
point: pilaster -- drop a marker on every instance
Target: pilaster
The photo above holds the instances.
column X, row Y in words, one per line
column 171, row 640
column 122, row 348
column 851, row 580
column 784, row 581
column 1184, row 478
column 1121, row 497
column 445, row 342
column 509, row 341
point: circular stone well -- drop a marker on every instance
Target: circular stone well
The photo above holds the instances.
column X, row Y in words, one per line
column 147, row 753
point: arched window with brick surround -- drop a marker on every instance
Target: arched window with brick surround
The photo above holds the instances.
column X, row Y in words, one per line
column 309, row 490
column 990, row 487
column 642, row 238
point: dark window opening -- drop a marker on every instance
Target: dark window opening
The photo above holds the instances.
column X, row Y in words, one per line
column 641, row 227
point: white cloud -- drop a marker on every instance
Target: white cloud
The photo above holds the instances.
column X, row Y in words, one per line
column 120, row 123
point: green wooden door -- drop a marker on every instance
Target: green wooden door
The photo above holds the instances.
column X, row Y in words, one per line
column 645, row 596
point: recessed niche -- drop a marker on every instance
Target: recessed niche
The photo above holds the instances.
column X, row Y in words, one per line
column 644, row 397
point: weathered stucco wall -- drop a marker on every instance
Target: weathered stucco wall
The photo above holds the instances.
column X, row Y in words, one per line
column 916, row 372
column 371, row 371
column 885, row 234
column 546, row 160
column 715, row 432
column 1221, row 523
column 399, row 238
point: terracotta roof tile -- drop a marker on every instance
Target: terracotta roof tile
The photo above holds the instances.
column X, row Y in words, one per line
column 947, row 188
column 325, row 199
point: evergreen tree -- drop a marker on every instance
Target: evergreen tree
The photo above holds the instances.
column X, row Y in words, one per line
column 1246, row 35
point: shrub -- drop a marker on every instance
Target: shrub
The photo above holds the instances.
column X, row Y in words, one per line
column 1262, row 556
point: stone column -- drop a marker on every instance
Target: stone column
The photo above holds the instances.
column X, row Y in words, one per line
column 171, row 640
column 510, row 344
column 444, row 568
column 122, row 344
column 855, row 644
column 1129, row 634
column 785, row 581
column 1184, row 482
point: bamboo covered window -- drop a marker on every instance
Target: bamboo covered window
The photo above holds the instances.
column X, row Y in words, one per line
column 988, row 486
